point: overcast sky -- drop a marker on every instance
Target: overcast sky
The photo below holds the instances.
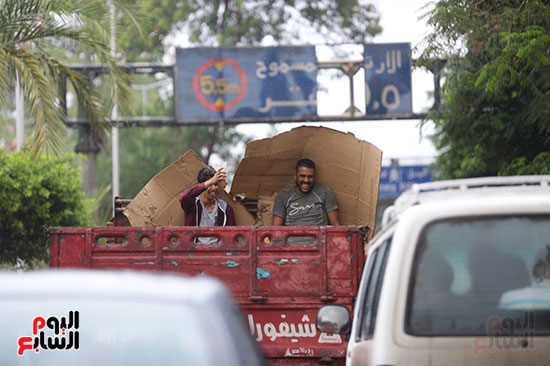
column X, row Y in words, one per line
column 401, row 139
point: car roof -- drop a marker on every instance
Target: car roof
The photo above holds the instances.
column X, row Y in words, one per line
column 113, row 284
column 484, row 187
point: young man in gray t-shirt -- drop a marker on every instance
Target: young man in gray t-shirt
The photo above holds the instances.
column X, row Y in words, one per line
column 305, row 204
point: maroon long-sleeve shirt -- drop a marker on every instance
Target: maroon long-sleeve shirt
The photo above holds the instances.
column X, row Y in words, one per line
column 189, row 201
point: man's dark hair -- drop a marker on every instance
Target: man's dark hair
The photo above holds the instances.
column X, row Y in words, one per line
column 305, row 162
column 205, row 174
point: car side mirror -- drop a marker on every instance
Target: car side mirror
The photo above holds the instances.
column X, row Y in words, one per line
column 335, row 319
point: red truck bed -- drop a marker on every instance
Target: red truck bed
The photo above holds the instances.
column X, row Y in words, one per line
column 278, row 275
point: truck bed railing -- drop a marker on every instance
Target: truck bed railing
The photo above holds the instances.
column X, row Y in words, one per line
column 119, row 219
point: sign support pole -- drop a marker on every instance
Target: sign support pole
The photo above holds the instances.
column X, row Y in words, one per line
column 114, row 112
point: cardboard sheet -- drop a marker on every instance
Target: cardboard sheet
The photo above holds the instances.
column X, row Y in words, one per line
column 157, row 204
column 264, row 216
column 349, row 166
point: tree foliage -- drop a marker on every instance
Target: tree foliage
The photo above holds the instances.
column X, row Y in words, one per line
column 248, row 22
column 494, row 114
column 37, row 191
column 29, row 31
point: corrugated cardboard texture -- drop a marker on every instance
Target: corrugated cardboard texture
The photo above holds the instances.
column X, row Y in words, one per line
column 264, row 217
column 349, row 166
column 157, row 204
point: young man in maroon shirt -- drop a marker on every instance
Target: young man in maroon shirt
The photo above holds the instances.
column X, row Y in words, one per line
column 201, row 205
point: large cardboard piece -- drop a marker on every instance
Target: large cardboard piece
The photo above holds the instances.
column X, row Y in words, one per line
column 157, row 204
column 349, row 166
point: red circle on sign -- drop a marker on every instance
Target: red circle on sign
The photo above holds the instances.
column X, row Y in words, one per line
column 200, row 97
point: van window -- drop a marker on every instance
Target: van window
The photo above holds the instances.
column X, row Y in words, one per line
column 375, row 275
column 482, row 276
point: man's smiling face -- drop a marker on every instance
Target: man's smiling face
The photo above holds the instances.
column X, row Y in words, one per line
column 304, row 178
column 211, row 191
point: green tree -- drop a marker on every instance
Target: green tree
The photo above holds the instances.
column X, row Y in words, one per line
column 37, row 191
column 494, row 114
column 248, row 23
column 29, row 32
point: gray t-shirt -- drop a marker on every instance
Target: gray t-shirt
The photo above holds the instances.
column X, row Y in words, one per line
column 308, row 209
column 208, row 218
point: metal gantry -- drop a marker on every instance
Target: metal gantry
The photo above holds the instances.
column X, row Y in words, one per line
column 348, row 67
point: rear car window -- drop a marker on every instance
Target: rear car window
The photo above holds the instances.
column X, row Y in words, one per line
column 110, row 332
column 482, row 276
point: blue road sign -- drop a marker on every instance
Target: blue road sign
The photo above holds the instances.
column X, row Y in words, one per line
column 396, row 179
column 388, row 79
column 217, row 83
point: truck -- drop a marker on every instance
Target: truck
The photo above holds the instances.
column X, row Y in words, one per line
column 280, row 276
column 278, row 283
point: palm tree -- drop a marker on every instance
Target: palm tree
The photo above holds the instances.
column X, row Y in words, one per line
column 29, row 30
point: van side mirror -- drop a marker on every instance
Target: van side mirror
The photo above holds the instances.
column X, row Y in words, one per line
column 334, row 319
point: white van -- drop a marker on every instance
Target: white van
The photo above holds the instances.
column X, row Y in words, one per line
column 458, row 275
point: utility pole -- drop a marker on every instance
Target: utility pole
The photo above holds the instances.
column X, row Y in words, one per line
column 19, row 115
column 88, row 146
column 114, row 113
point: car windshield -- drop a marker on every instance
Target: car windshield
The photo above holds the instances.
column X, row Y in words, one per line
column 482, row 276
column 109, row 333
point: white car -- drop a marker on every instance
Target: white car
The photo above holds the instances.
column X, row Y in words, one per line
column 78, row 317
column 458, row 275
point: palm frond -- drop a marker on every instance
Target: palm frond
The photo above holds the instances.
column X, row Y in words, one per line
column 4, row 80
column 36, row 23
column 43, row 102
